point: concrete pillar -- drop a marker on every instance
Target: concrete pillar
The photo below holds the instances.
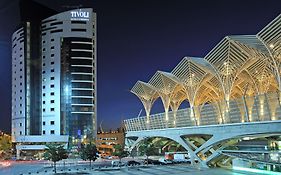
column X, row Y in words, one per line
column 18, row 154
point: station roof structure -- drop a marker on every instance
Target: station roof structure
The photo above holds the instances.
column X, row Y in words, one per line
column 240, row 65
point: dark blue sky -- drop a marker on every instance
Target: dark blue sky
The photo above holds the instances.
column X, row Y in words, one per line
column 138, row 37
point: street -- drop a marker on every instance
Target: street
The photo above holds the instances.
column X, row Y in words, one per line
column 104, row 168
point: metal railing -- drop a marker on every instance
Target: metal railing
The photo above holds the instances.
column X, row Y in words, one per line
column 263, row 107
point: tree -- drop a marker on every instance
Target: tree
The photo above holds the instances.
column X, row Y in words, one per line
column 147, row 148
column 5, row 146
column 55, row 153
column 119, row 151
column 89, row 152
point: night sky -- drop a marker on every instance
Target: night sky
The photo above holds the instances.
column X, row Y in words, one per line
column 138, row 37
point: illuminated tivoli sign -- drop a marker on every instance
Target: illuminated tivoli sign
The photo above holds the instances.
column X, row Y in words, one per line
column 80, row 15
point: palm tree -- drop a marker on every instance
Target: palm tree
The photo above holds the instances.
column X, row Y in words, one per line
column 89, row 152
column 55, row 153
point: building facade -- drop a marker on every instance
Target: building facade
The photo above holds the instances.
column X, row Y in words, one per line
column 106, row 140
column 54, row 77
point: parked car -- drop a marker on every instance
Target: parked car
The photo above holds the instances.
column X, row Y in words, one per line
column 153, row 162
column 117, row 163
column 165, row 161
column 132, row 163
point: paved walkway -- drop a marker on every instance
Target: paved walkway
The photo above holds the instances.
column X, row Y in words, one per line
column 149, row 170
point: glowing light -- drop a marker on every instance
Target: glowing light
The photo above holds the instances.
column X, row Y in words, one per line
column 256, row 170
column 271, row 46
column 5, row 164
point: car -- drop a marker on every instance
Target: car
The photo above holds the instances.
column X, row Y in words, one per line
column 132, row 163
column 153, row 162
column 117, row 163
column 165, row 161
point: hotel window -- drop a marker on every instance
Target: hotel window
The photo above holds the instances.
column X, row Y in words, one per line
column 52, row 131
column 44, row 72
column 44, row 64
column 52, row 39
column 52, row 101
column 52, row 62
column 20, row 124
column 52, row 122
column 52, row 70
column 52, row 78
column 52, row 109
column 52, row 85
column 44, row 94
column 44, row 102
column 44, row 109
column 52, row 47
column 44, row 132
column 52, row 93
column 44, row 49
column 44, row 87
column 20, row 133
column 52, row 55
column 44, row 123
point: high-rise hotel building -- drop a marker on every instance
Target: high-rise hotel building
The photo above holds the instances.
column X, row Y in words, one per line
column 54, row 77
